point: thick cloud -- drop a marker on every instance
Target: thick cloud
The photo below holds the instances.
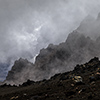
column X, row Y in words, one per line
column 26, row 26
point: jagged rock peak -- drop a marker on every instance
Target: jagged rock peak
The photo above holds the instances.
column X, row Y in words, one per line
column 19, row 64
column 17, row 71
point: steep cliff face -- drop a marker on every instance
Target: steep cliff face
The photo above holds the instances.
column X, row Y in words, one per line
column 77, row 49
column 19, row 72
column 54, row 59
column 83, row 83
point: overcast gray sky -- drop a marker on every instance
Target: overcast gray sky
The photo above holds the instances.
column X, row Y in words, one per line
column 28, row 25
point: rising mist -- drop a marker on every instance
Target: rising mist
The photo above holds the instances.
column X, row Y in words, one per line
column 28, row 26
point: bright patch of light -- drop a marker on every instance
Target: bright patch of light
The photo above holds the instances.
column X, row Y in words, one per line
column 37, row 29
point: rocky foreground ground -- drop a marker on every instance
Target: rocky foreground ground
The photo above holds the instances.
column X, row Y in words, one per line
column 62, row 86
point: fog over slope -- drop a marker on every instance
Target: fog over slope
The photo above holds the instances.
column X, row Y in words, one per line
column 26, row 26
column 77, row 49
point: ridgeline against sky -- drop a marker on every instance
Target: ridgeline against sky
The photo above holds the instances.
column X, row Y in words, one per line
column 26, row 26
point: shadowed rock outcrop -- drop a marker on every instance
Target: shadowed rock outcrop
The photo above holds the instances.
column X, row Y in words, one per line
column 62, row 86
column 19, row 72
column 54, row 59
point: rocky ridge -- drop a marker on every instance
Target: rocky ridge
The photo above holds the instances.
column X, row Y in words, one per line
column 19, row 71
column 77, row 49
column 61, row 86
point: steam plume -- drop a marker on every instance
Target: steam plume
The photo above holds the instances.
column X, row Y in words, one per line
column 26, row 26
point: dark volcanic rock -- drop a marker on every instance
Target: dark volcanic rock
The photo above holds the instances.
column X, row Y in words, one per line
column 29, row 82
column 62, row 86
column 77, row 49
column 19, row 72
